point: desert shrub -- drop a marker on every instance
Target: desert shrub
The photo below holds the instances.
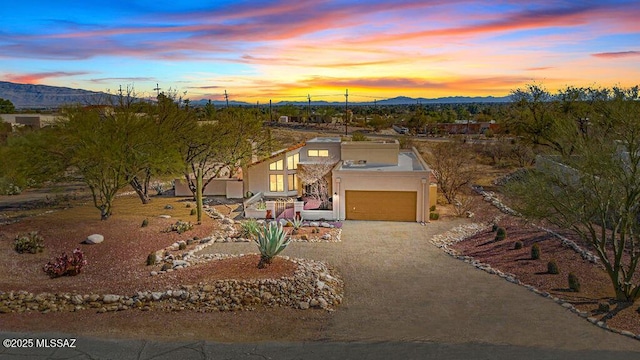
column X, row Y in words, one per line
column 182, row 246
column 193, row 212
column 271, row 240
column 315, row 231
column 249, row 228
column 29, row 243
column 151, row 259
column 501, row 234
column 552, row 267
column 188, row 205
column 180, row 227
column 66, row 265
column 574, row 283
column 494, row 228
column 518, row 245
column 535, row 252
column 145, row 223
column 604, row 307
column 434, row 216
column 358, row 136
column 432, row 208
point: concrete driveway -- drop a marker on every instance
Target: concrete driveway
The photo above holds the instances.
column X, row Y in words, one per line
column 404, row 298
column 400, row 287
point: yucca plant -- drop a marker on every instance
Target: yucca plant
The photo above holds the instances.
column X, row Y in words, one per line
column 296, row 223
column 250, row 228
column 271, row 240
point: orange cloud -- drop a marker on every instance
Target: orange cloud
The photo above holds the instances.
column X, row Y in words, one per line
column 36, row 78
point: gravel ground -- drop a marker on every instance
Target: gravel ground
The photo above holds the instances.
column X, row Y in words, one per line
column 399, row 287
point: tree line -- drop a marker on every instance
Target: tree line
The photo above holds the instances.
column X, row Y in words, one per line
column 130, row 142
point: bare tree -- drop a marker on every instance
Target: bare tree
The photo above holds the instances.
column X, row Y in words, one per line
column 452, row 165
column 315, row 176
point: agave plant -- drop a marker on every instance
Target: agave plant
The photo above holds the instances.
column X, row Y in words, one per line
column 271, row 240
column 296, row 223
column 250, row 228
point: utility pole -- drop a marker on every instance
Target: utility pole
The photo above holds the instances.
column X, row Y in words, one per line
column 270, row 113
column 157, row 88
column 309, row 108
column 226, row 98
column 346, row 111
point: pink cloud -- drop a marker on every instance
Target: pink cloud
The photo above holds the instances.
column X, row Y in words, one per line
column 36, row 78
column 618, row 54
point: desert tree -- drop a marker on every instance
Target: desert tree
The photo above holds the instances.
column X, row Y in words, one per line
column 221, row 147
column 594, row 190
column 452, row 165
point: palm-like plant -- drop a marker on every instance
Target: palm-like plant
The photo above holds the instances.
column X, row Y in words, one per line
column 271, row 240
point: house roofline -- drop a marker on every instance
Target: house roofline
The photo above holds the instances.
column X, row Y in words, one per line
column 279, row 152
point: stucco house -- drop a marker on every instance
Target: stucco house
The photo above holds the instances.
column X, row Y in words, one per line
column 357, row 180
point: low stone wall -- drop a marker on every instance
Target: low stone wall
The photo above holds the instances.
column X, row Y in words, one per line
column 313, row 285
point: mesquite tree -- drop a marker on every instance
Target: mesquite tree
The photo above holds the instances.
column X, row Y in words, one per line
column 594, row 189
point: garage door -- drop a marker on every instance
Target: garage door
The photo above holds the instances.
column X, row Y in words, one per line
column 381, row 205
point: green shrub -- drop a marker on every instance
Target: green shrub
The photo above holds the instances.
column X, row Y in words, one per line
column 432, row 208
column 574, row 283
column 29, row 243
column 180, row 227
column 501, row 234
column 552, row 267
column 518, row 245
column 535, row 252
column 145, row 223
column 271, row 240
column 193, row 212
column 151, row 259
column 249, row 228
column 358, row 136
column 604, row 307
column 434, row 216
column 494, row 228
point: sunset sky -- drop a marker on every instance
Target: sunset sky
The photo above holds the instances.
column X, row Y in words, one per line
column 285, row 49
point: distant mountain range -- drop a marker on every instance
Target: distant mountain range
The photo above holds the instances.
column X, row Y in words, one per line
column 25, row 96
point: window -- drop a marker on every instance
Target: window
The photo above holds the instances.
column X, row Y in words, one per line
column 276, row 165
column 292, row 182
column 321, row 153
column 292, row 161
column 276, row 183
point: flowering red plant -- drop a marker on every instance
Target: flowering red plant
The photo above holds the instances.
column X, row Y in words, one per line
column 66, row 265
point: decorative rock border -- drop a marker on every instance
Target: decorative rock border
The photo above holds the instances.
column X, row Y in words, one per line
column 463, row 232
column 313, row 285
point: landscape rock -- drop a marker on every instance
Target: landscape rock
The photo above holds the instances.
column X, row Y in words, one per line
column 110, row 298
column 164, row 216
column 94, row 239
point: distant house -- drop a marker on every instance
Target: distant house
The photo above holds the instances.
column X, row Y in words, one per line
column 365, row 180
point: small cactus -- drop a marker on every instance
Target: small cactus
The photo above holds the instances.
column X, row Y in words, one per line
column 434, row 216
column 552, row 267
column 518, row 245
column 501, row 234
column 193, row 212
column 574, row 283
column 145, row 223
column 182, row 246
column 494, row 228
column 151, row 259
column 535, row 252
